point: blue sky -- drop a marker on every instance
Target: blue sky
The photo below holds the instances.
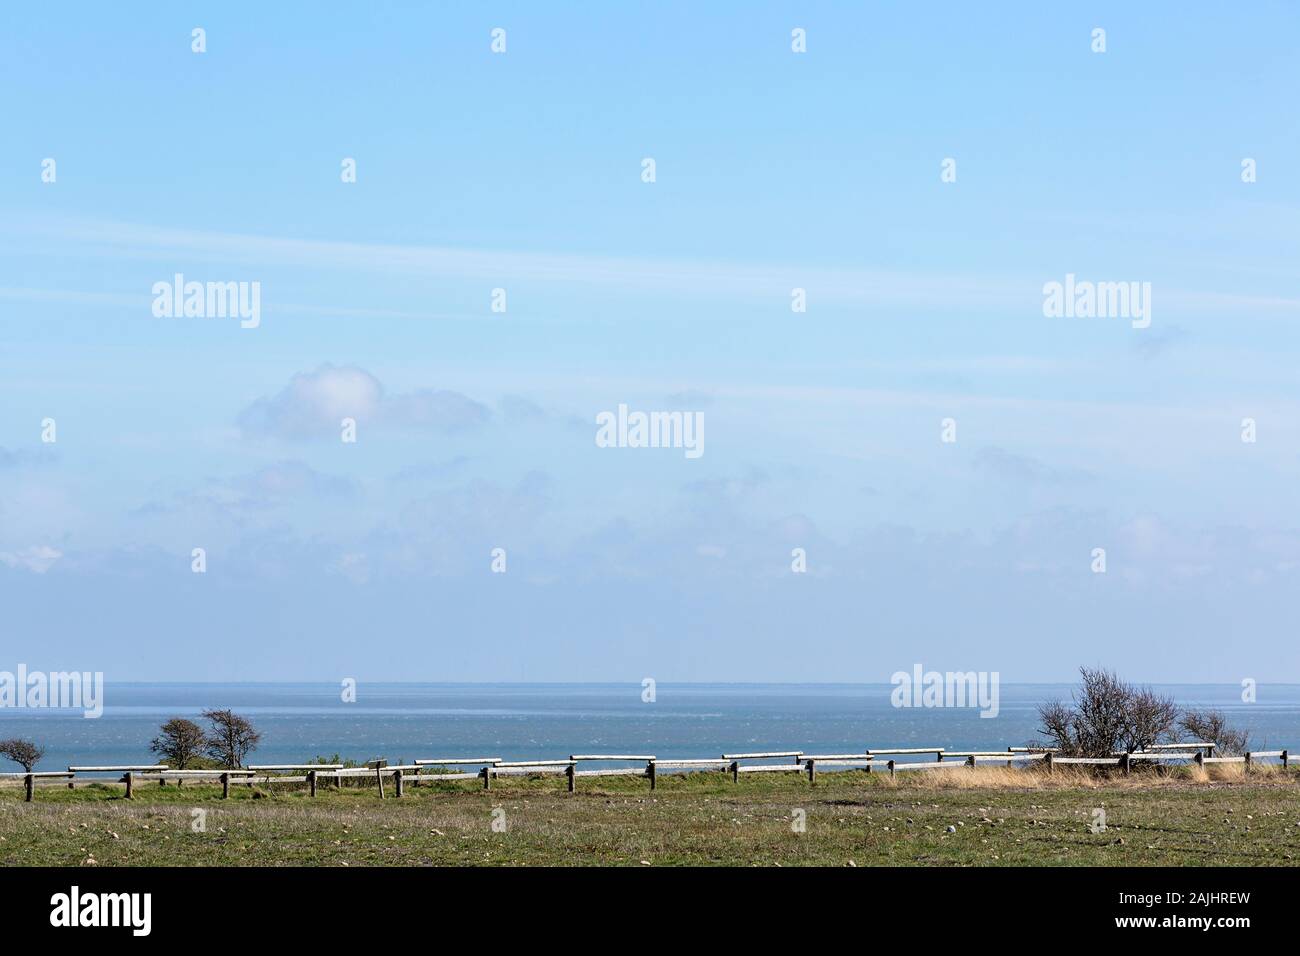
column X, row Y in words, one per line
column 775, row 170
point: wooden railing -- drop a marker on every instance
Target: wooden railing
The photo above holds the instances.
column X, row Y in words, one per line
column 490, row 768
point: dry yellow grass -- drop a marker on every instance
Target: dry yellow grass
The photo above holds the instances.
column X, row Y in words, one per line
column 962, row 777
column 1234, row 773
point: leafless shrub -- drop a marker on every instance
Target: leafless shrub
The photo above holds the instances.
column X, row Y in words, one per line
column 1057, row 724
column 25, row 753
column 1212, row 726
column 1151, row 719
column 179, row 742
column 232, row 737
column 1107, row 715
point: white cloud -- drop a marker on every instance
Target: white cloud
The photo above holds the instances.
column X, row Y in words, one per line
column 314, row 404
column 38, row 559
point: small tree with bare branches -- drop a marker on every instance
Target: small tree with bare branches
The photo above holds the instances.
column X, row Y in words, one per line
column 179, row 742
column 232, row 737
column 1211, row 726
column 1107, row 715
column 25, row 753
column 1151, row 719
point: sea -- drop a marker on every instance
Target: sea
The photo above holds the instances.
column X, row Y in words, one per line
column 408, row 721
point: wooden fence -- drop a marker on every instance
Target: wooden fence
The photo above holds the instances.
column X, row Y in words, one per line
column 489, row 768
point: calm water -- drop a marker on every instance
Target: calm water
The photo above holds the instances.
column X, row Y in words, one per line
column 523, row 721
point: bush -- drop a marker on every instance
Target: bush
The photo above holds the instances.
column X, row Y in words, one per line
column 1107, row 715
column 25, row 753
column 232, row 737
column 180, row 742
column 1211, row 726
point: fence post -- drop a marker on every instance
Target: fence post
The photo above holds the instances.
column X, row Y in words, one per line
column 379, row 778
column 31, row 784
column 650, row 770
column 487, row 778
column 735, row 771
column 1126, row 763
column 1284, row 759
column 569, row 772
column 71, row 780
column 891, row 770
column 130, row 784
column 397, row 779
column 225, row 786
column 1047, row 761
column 812, row 771
column 1199, row 758
column 311, row 780
column 1248, row 761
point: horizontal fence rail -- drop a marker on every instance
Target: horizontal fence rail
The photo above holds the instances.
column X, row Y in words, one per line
column 1004, row 754
column 1163, row 755
column 142, row 768
column 610, row 757
column 862, row 756
column 895, row 765
column 295, row 766
column 485, row 769
column 762, row 756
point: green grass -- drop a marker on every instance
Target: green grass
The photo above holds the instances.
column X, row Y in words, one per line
column 1001, row 819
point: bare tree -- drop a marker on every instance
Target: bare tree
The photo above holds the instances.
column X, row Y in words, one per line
column 179, row 741
column 25, row 753
column 232, row 737
column 1100, row 712
column 1058, row 725
column 1151, row 719
column 1107, row 715
column 1211, row 726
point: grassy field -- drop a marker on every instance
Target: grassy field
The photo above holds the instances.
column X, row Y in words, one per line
column 997, row 818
